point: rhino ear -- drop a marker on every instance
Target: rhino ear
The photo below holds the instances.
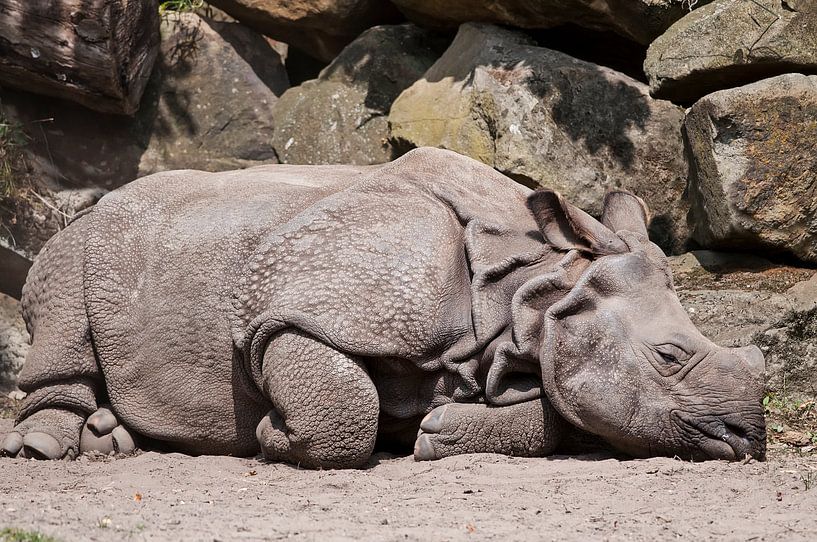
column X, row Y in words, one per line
column 625, row 211
column 569, row 228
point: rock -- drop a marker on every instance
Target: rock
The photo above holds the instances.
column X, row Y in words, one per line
column 208, row 106
column 547, row 119
column 729, row 43
column 98, row 53
column 14, row 343
column 320, row 28
column 639, row 20
column 753, row 167
column 804, row 294
column 718, row 262
column 340, row 117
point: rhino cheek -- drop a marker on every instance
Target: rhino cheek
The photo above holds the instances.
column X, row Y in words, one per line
column 587, row 376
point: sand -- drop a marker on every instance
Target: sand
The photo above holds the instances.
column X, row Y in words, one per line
column 154, row 496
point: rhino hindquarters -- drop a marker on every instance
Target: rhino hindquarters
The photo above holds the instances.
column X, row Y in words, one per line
column 326, row 406
column 61, row 374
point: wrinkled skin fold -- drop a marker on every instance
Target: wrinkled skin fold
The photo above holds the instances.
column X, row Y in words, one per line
column 311, row 312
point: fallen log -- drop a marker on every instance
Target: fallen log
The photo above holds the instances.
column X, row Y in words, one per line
column 98, row 53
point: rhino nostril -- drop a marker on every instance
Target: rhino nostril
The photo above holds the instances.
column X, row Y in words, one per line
column 736, row 430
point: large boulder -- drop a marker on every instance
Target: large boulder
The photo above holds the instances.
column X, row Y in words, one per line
column 639, row 20
column 13, row 343
column 754, row 168
column 320, row 28
column 549, row 120
column 340, row 117
column 208, row 106
column 729, row 43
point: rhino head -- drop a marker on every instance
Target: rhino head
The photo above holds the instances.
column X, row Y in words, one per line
column 621, row 359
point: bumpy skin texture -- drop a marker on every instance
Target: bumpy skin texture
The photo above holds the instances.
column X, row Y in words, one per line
column 307, row 311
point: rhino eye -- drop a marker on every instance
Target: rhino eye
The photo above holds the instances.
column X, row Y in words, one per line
column 671, row 354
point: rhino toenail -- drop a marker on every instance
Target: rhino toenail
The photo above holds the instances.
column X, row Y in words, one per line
column 12, row 444
column 102, row 421
column 41, row 446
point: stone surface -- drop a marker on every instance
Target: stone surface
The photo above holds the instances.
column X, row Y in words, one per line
column 639, row 20
column 550, row 120
column 738, row 300
column 340, row 117
column 754, row 168
column 320, row 28
column 13, row 343
column 208, row 106
column 95, row 52
column 732, row 42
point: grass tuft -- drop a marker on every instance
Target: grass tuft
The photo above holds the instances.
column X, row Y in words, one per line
column 19, row 535
column 180, row 6
column 12, row 141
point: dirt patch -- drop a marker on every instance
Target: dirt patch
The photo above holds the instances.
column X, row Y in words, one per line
column 478, row 497
column 774, row 279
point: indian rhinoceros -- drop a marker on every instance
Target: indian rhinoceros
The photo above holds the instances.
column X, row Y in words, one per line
column 308, row 311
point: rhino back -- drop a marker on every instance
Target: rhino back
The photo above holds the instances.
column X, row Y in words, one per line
column 161, row 261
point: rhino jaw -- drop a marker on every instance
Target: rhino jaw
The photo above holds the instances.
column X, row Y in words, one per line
column 727, row 438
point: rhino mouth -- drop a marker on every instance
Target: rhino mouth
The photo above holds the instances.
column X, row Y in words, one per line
column 722, row 438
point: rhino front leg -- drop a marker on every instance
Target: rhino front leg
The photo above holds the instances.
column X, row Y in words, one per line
column 326, row 406
column 529, row 429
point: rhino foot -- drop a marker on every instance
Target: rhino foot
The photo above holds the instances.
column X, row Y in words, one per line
column 527, row 429
column 103, row 433
column 47, row 434
column 441, row 433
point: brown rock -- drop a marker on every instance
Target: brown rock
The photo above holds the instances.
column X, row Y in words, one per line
column 340, row 117
column 98, row 53
column 639, row 20
column 320, row 28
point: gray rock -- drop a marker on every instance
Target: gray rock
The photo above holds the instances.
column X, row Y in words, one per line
column 320, row 28
column 14, row 343
column 732, row 42
column 639, row 20
column 340, row 117
column 550, row 120
column 753, row 167
column 208, row 106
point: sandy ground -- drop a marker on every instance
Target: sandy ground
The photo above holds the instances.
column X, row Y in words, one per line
column 478, row 497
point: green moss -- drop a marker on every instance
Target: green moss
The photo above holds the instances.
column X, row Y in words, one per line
column 19, row 535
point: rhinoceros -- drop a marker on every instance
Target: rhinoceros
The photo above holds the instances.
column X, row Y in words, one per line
column 307, row 312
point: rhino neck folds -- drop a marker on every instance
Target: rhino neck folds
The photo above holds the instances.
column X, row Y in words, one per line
column 515, row 362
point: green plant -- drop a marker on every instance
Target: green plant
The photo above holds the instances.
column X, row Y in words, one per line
column 19, row 535
column 180, row 5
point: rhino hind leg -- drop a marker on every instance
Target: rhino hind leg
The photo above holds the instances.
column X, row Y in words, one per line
column 61, row 374
column 529, row 429
column 326, row 406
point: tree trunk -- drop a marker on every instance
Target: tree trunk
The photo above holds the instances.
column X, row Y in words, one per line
column 98, row 53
